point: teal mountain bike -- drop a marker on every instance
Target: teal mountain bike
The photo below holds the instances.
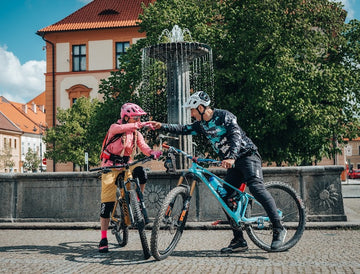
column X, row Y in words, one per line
column 244, row 211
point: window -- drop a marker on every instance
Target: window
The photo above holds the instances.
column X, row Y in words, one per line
column 79, row 57
column 78, row 91
column 121, row 48
column 14, row 143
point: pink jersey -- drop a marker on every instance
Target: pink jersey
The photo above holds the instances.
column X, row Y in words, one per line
column 124, row 146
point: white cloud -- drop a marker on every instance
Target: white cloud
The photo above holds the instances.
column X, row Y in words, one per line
column 20, row 83
column 349, row 6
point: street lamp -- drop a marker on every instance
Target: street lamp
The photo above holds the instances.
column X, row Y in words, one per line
column 41, row 155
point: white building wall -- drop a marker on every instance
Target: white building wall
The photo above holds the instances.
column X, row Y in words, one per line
column 101, row 55
column 62, row 57
column 86, row 80
column 32, row 141
column 15, row 149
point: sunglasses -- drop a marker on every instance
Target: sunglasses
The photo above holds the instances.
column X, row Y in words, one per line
column 136, row 118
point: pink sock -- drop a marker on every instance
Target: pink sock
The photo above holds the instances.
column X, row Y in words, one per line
column 103, row 234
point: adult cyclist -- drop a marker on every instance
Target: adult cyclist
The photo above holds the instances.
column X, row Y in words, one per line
column 119, row 147
column 239, row 156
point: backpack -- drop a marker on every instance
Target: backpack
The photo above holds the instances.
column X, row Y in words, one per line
column 109, row 156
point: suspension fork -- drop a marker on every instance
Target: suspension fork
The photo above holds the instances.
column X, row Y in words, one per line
column 142, row 203
column 186, row 206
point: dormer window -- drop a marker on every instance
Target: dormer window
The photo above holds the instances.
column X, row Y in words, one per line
column 108, row 12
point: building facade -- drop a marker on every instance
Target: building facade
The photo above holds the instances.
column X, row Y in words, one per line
column 82, row 49
column 21, row 130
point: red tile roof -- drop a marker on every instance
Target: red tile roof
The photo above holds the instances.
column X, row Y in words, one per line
column 100, row 14
column 7, row 125
column 27, row 121
column 39, row 100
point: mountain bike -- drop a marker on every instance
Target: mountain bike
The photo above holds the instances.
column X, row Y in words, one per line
column 244, row 210
column 129, row 209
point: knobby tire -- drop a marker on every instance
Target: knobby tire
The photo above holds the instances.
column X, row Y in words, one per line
column 119, row 228
column 139, row 222
column 168, row 227
column 293, row 220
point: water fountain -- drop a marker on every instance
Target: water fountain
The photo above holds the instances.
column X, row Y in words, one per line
column 187, row 66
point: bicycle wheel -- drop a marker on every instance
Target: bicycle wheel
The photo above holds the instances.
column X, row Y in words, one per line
column 139, row 222
column 293, row 218
column 169, row 223
column 119, row 228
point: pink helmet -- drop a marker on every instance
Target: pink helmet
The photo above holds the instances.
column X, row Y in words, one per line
column 130, row 110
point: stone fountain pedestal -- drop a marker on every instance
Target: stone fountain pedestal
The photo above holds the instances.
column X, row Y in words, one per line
column 178, row 57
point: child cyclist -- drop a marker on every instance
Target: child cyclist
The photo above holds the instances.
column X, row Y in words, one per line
column 119, row 147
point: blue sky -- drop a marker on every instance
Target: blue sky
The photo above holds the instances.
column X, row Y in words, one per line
column 22, row 58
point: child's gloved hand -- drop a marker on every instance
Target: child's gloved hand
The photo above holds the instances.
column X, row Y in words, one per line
column 148, row 125
column 156, row 154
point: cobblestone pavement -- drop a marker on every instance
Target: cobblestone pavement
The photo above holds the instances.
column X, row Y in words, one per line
column 75, row 251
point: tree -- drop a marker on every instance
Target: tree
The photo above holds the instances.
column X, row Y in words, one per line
column 281, row 65
column 68, row 140
column 5, row 157
column 32, row 161
column 288, row 70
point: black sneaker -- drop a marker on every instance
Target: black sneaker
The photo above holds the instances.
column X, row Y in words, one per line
column 236, row 245
column 279, row 235
column 103, row 246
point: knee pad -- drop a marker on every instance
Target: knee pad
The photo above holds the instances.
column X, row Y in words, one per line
column 140, row 173
column 106, row 209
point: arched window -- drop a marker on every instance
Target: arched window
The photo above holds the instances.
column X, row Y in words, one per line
column 78, row 91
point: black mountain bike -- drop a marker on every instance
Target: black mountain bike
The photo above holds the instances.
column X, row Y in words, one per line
column 129, row 209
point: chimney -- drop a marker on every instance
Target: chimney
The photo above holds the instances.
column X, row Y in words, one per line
column 24, row 107
column 34, row 107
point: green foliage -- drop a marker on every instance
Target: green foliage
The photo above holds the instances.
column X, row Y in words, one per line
column 5, row 157
column 32, row 161
column 281, row 65
column 287, row 69
column 70, row 135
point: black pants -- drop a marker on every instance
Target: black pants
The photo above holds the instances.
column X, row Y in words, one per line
column 248, row 170
column 138, row 172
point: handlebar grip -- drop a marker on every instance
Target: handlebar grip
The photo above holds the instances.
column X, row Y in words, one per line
column 164, row 145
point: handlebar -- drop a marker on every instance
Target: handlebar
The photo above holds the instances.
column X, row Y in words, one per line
column 192, row 158
column 143, row 160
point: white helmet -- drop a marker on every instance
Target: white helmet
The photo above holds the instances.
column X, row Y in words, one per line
column 198, row 98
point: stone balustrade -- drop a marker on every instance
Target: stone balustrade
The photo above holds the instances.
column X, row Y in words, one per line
column 75, row 196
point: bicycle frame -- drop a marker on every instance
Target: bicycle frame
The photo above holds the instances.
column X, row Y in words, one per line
column 239, row 214
column 124, row 185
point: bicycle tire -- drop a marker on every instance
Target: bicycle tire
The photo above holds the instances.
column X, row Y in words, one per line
column 293, row 219
column 139, row 222
column 166, row 231
column 119, row 228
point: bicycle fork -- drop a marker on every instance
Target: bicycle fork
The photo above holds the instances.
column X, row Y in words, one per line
column 186, row 205
column 142, row 204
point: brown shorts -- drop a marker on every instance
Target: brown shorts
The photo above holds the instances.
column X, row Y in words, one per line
column 108, row 186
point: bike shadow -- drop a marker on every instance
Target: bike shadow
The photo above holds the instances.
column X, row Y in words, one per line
column 81, row 252
column 250, row 254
